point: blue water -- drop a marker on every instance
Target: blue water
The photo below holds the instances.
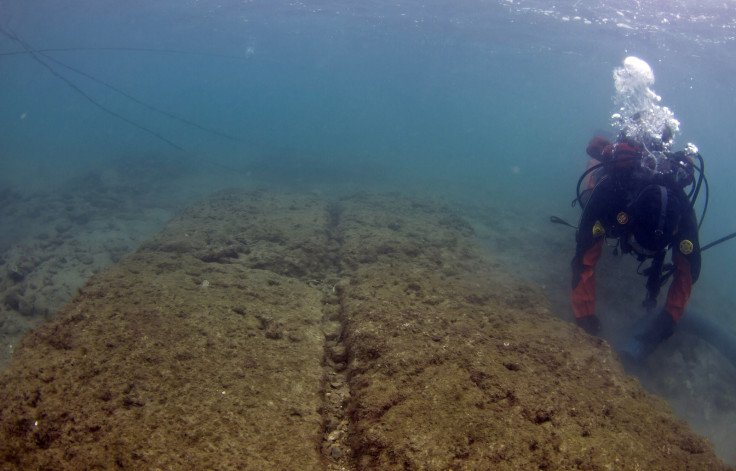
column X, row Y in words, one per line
column 497, row 94
column 472, row 96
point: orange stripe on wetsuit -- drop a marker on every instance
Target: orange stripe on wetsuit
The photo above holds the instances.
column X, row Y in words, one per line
column 583, row 293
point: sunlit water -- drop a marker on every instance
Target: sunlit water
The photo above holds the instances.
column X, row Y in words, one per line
column 474, row 99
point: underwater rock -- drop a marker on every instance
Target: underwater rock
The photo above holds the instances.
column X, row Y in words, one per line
column 364, row 333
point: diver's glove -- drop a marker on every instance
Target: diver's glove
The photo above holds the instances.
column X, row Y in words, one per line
column 646, row 335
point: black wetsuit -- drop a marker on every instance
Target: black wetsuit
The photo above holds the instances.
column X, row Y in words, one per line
column 607, row 214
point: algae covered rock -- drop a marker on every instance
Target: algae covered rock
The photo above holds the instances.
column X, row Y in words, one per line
column 275, row 331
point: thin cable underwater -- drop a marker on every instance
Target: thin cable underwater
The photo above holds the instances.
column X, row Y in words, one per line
column 131, row 49
column 38, row 54
column 74, row 87
column 143, row 104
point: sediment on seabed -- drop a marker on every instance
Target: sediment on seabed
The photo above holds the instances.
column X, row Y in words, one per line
column 272, row 331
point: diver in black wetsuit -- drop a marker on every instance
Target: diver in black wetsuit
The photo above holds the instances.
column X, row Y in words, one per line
column 637, row 197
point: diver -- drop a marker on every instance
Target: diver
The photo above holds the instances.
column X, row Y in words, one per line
column 638, row 196
column 635, row 199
